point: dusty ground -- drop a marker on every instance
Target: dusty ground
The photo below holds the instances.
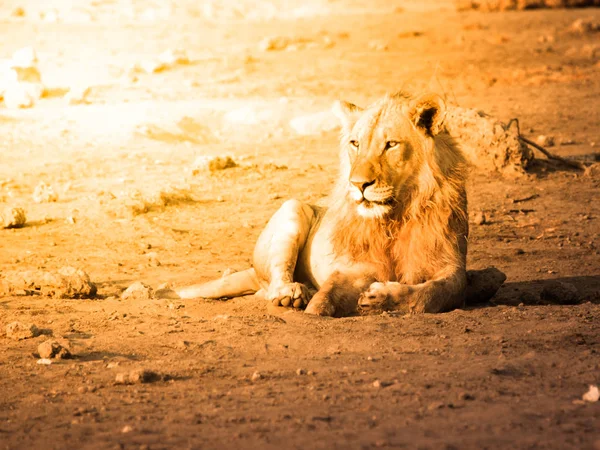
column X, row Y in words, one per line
column 502, row 375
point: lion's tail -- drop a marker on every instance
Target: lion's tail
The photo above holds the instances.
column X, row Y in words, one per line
column 229, row 286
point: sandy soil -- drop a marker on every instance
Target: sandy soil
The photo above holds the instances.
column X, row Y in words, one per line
column 134, row 203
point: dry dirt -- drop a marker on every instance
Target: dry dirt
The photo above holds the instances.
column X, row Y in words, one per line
column 132, row 199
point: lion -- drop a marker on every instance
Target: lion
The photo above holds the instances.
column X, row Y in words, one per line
column 394, row 233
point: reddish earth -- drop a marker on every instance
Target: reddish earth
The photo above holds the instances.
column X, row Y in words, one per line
column 237, row 374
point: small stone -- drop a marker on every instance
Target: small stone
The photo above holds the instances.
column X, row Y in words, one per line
column 435, row 405
column 545, row 141
column 44, row 193
column 153, row 260
column 592, row 395
column 592, row 171
column 519, row 251
column 78, row 95
column 479, row 218
column 53, row 349
column 12, row 217
column 127, row 429
column 137, row 376
column 300, row 372
column 19, row 331
column 138, row 291
column 277, row 43
column 560, row 292
column 377, row 384
column 212, row 164
column 256, row 376
column 143, row 376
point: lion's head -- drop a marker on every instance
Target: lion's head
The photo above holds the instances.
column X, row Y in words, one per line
column 391, row 149
column 401, row 187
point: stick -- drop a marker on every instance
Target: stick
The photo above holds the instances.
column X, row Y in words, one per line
column 567, row 162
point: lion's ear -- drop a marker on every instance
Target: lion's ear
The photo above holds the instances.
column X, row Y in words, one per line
column 427, row 113
column 347, row 112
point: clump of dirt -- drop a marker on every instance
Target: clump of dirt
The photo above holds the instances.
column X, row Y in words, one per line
column 11, row 217
column 506, row 5
column 212, row 164
column 137, row 376
column 487, row 142
column 53, row 349
column 135, row 203
column 19, row 331
column 138, row 291
column 67, row 282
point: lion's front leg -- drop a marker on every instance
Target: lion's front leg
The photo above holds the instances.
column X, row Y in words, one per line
column 443, row 293
column 276, row 253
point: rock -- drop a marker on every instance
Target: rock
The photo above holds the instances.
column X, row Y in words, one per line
column 560, row 292
column 545, row 141
column 482, row 285
column 277, row 43
column 137, row 376
column 486, row 142
column 479, row 218
column 19, row 331
column 256, row 376
column 138, row 291
column 44, row 193
column 592, row 395
column 300, row 372
column 583, row 26
column 12, row 217
column 153, row 260
column 212, row 164
column 378, row 46
column 67, row 282
column 592, row 171
column 53, row 349
column 314, row 124
column 77, row 95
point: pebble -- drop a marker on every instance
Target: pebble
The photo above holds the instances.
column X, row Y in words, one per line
column 138, row 291
column 545, row 141
column 53, row 349
column 479, row 218
column 300, row 372
column 137, row 376
column 19, row 331
column 256, row 376
column 592, row 395
column 11, row 217
column 44, row 193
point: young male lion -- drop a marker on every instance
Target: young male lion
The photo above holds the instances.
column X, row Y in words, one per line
column 394, row 236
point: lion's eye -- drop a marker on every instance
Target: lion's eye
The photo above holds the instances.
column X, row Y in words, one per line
column 391, row 144
column 354, row 144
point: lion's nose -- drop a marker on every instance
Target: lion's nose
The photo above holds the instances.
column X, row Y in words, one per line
column 361, row 183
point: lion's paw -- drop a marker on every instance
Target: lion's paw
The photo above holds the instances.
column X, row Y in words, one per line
column 294, row 295
column 320, row 305
column 376, row 297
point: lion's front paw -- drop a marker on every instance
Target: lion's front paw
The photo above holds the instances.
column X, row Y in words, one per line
column 294, row 295
column 376, row 297
column 320, row 305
